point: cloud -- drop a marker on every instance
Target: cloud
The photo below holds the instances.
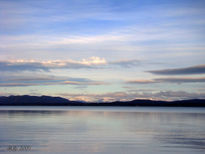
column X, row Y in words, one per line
column 84, row 83
column 199, row 69
column 126, row 63
column 10, row 77
column 140, row 81
column 6, row 94
column 33, row 65
column 18, row 84
column 93, row 61
column 181, row 80
column 89, row 63
column 125, row 96
column 168, row 80
column 21, row 66
column 42, row 80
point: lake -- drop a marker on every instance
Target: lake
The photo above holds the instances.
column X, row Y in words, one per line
column 112, row 130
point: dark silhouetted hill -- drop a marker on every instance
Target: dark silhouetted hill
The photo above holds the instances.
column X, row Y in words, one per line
column 59, row 101
column 34, row 100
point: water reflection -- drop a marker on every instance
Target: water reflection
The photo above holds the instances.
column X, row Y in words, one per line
column 103, row 131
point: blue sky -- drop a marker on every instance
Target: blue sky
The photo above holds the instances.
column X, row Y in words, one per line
column 103, row 50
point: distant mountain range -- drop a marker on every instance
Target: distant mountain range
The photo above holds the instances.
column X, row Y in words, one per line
column 27, row 100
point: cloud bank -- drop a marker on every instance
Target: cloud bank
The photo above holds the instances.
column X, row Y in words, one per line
column 125, row 96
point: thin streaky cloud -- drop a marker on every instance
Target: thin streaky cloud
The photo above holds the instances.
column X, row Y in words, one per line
column 168, row 80
column 181, row 80
column 126, row 63
column 42, row 80
column 141, row 81
column 89, row 63
column 84, row 83
column 33, row 65
column 199, row 69
column 75, row 83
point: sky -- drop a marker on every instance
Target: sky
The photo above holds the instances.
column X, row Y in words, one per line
column 94, row 50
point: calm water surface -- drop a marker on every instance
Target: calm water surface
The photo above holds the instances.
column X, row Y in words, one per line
column 112, row 130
